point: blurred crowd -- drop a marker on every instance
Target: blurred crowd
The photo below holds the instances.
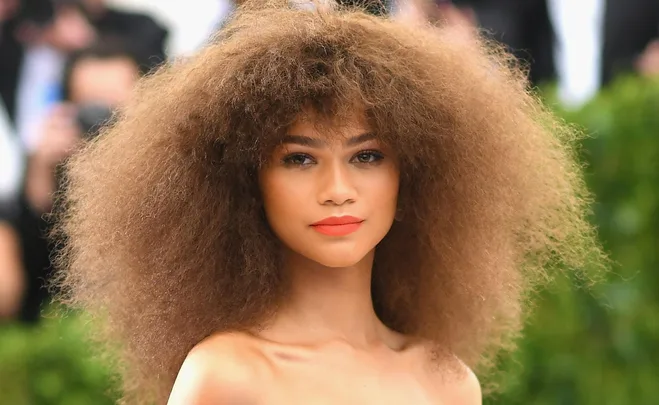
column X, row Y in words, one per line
column 66, row 64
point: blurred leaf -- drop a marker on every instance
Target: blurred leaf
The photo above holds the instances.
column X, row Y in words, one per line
column 600, row 347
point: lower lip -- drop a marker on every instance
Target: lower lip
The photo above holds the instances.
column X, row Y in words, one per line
column 337, row 230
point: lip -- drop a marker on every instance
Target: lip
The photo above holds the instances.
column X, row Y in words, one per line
column 343, row 220
column 338, row 226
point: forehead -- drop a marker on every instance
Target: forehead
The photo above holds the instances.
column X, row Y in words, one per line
column 329, row 129
column 346, row 124
column 341, row 127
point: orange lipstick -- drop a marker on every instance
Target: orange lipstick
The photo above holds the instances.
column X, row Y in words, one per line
column 337, row 226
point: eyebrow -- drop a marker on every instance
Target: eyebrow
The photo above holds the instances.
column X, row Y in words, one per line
column 317, row 143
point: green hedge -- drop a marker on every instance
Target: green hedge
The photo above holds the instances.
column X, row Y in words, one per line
column 581, row 348
column 602, row 347
column 51, row 364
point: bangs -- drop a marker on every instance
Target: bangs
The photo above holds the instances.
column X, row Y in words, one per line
column 318, row 71
column 331, row 119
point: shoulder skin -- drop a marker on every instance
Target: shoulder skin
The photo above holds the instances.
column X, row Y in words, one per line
column 465, row 390
column 223, row 369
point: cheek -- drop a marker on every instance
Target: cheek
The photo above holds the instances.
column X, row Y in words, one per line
column 383, row 192
column 281, row 197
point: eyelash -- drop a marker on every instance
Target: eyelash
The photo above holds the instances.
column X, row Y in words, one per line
column 374, row 156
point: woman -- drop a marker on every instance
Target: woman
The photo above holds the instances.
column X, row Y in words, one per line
column 321, row 207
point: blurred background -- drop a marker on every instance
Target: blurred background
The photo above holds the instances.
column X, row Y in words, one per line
column 65, row 64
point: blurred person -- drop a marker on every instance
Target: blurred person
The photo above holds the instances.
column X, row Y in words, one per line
column 374, row 7
column 12, row 272
column 10, row 55
column 321, row 207
column 8, row 9
column 36, row 37
column 578, row 27
column 442, row 13
column 647, row 63
column 630, row 38
column 11, row 156
column 102, row 76
column 523, row 26
column 96, row 80
column 142, row 30
column 601, row 39
column 38, row 41
column 11, row 159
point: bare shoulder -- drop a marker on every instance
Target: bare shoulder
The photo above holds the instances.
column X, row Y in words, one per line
column 462, row 387
column 452, row 380
column 225, row 369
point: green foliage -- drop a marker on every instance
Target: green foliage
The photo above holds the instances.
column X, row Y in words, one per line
column 596, row 347
column 600, row 346
column 51, row 364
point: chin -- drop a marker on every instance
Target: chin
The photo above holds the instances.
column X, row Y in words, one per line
column 337, row 253
column 339, row 258
column 337, row 263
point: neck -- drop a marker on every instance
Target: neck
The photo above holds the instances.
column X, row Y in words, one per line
column 329, row 305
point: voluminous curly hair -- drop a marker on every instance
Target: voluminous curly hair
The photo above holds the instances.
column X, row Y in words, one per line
column 164, row 238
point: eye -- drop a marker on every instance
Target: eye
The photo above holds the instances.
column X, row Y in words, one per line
column 298, row 159
column 368, row 157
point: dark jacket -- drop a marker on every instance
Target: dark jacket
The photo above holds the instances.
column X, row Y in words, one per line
column 146, row 35
column 629, row 26
column 525, row 27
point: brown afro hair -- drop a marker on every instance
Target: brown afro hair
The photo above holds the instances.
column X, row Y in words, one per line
column 164, row 238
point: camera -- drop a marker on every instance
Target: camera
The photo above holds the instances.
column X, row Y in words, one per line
column 92, row 117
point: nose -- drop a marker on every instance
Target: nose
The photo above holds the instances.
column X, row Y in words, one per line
column 335, row 185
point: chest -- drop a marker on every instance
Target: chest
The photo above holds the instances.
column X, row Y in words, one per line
column 349, row 384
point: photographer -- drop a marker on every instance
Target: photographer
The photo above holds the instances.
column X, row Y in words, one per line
column 147, row 35
column 12, row 274
column 96, row 80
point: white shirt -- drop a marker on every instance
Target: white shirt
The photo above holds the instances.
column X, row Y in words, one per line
column 40, row 77
column 12, row 158
column 579, row 27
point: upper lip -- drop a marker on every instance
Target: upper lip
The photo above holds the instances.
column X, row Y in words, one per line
column 343, row 220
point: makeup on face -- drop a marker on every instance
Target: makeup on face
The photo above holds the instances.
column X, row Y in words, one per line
column 330, row 195
column 301, row 151
column 338, row 226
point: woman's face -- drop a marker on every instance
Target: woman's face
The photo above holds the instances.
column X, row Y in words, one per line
column 331, row 199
